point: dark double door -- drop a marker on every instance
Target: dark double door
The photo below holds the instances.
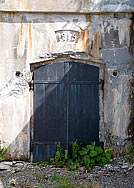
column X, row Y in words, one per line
column 66, row 106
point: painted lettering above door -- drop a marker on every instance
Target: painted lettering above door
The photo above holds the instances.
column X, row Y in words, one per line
column 67, row 36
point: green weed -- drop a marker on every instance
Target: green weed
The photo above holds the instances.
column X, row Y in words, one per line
column 2, row 152
column 87, row 156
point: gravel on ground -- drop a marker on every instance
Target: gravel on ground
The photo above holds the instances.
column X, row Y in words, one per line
column 20, row 174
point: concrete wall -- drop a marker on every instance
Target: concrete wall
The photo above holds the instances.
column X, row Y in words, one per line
column 28, row 38
column 81, row 6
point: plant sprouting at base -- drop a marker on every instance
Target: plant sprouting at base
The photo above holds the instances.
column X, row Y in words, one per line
column 88, row 156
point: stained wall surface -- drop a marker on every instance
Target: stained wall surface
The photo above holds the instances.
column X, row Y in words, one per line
column 28, row 38
column 81, row 6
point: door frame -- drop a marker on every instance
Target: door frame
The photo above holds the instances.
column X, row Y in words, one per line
column 102, row 79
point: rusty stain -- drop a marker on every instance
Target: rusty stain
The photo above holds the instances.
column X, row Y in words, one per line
column 21, row 40
column 82, row 36
column 5, row 14
column 12, row 14
column 96, row 53
column 87, row 41
column 89, row 20
column 30, row 36
column 21, row 31
column 9, row 15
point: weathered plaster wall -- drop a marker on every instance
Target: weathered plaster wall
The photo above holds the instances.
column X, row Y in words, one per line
column 84, row 6
column 15, row 115
column 28, row 38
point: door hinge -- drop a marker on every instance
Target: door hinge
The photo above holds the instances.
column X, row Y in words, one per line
column 101, row 82
column 31, row 146
column 31, row 84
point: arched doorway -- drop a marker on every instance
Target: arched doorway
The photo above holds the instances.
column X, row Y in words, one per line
column 66, row 106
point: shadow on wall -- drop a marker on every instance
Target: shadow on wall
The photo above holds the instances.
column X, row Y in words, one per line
column 16, row 128
column 19, row 149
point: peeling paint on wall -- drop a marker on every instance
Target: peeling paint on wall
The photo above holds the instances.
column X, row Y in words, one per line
column 17, row 85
